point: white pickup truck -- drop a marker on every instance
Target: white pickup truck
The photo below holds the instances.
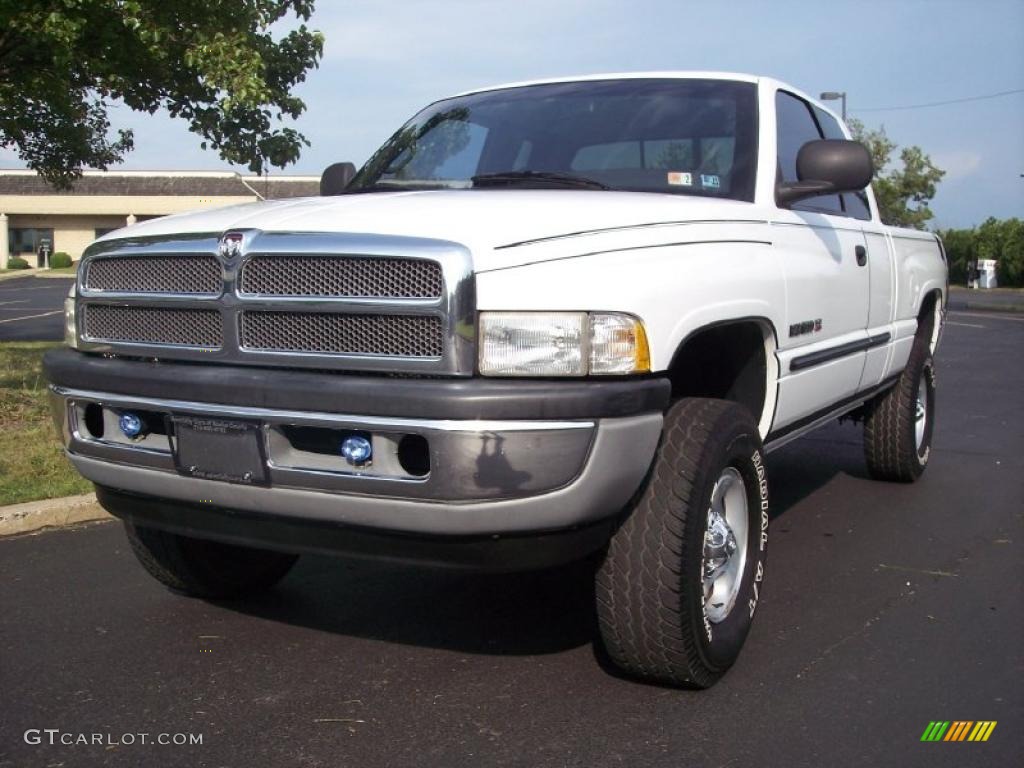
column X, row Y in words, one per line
column 544, row 321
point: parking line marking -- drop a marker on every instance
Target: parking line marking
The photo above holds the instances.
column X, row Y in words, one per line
column 32, row 317
column 965, row 325
column 986, row 315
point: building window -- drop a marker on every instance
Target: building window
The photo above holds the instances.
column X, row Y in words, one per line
column 101, row 231
column 27, row 240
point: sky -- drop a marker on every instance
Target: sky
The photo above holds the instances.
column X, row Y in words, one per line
column 383, row 61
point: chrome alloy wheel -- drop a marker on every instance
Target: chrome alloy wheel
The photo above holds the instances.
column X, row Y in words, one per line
column 725, row 544
column 921, row 413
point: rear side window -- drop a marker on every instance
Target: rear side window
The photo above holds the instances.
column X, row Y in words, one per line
column 797, row 126
column 710, row 155
column 603, row 157
column 854, row 203
column 702, row 163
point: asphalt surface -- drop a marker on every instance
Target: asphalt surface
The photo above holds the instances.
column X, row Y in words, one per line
column 886, row 607
column 32, row 308
column 1000, row 300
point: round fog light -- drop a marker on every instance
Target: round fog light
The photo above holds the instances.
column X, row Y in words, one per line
column 356, row 449
column 131, row 424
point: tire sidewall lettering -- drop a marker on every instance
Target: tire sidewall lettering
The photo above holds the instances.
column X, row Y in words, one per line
column 762, row 491
column 758, row 568
column 737, row 623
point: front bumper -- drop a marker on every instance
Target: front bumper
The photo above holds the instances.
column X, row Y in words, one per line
column 505, row 458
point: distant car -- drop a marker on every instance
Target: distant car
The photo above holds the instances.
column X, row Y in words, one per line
column 544, row 320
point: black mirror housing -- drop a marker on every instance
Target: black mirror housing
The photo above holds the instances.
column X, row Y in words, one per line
column 336, row 178
column 828, row 166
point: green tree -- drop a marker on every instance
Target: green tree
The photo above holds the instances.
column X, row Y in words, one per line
column 1003, row 241
column 994, row 239
column 1010, row 270
column 959, row 244
column 902, row 193
column 214, row 63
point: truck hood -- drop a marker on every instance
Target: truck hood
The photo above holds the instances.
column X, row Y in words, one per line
column 498, row 226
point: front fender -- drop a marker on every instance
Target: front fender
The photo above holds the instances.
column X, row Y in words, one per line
column 676, row 289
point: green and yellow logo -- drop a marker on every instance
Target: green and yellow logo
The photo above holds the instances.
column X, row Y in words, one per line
column 958, row 730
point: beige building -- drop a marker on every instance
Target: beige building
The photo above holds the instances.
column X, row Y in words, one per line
column 33, row 213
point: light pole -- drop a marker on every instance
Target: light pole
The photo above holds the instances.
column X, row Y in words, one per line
column 832, row 96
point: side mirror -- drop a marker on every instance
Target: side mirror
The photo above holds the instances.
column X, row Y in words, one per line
column 825, row 167
column 335, row 178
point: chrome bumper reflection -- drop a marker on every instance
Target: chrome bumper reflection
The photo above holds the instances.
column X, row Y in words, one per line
column 462, row 460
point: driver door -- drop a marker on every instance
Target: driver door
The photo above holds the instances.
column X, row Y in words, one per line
column 823, row 255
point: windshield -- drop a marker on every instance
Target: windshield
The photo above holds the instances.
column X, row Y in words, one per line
column 690, row 137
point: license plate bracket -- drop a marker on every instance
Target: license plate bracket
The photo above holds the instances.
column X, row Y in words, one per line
column 229, row 450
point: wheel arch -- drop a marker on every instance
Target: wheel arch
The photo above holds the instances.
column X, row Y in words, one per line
column 930, row 316
column 731, row 360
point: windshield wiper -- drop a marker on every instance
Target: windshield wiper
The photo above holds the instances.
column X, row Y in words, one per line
column 552, row 178
column 390, row 186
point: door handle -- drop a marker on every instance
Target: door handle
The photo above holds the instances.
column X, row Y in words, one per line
column 862, row 255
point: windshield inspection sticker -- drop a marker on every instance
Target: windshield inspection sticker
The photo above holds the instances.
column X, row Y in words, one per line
column 710, row 180
column 680, row 179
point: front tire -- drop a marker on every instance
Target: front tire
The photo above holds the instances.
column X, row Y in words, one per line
column 899, row 422
column 203, row 568
column 679, row 585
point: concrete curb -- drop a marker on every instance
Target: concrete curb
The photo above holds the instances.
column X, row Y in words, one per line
column 50, row 513
column 15, row 274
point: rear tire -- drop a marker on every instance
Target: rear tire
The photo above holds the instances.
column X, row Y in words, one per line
column 202, row 568
column 674, row 605
column 899, row 422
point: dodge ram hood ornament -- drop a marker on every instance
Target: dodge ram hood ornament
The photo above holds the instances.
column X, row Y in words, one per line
column 230, row 246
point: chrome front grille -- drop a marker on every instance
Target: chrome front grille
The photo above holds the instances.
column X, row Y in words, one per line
column 198, row 274
column 153, row 325
column 330, row 333
column 315, row 300
column 342, row 276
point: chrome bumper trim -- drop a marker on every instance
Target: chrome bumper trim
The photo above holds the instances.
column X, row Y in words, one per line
column 617, row 464
column 318, row 419
column 469, row 460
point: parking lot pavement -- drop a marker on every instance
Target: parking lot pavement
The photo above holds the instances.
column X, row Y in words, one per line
column 32, row 308
column 886, row 607
column 999, row 300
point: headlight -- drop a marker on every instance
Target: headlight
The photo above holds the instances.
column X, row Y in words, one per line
column 562, row 344
column 70, row 328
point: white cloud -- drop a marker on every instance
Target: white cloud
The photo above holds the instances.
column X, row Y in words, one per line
column 957, row 164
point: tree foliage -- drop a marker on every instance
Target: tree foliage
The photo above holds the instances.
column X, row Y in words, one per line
column 994, row 239
column 214, row 63
column 902, row 193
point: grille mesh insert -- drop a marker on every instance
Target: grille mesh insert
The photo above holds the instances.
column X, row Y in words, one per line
column 346, row 276
column 195, row 274
column 395, row 335
column 146, row 325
